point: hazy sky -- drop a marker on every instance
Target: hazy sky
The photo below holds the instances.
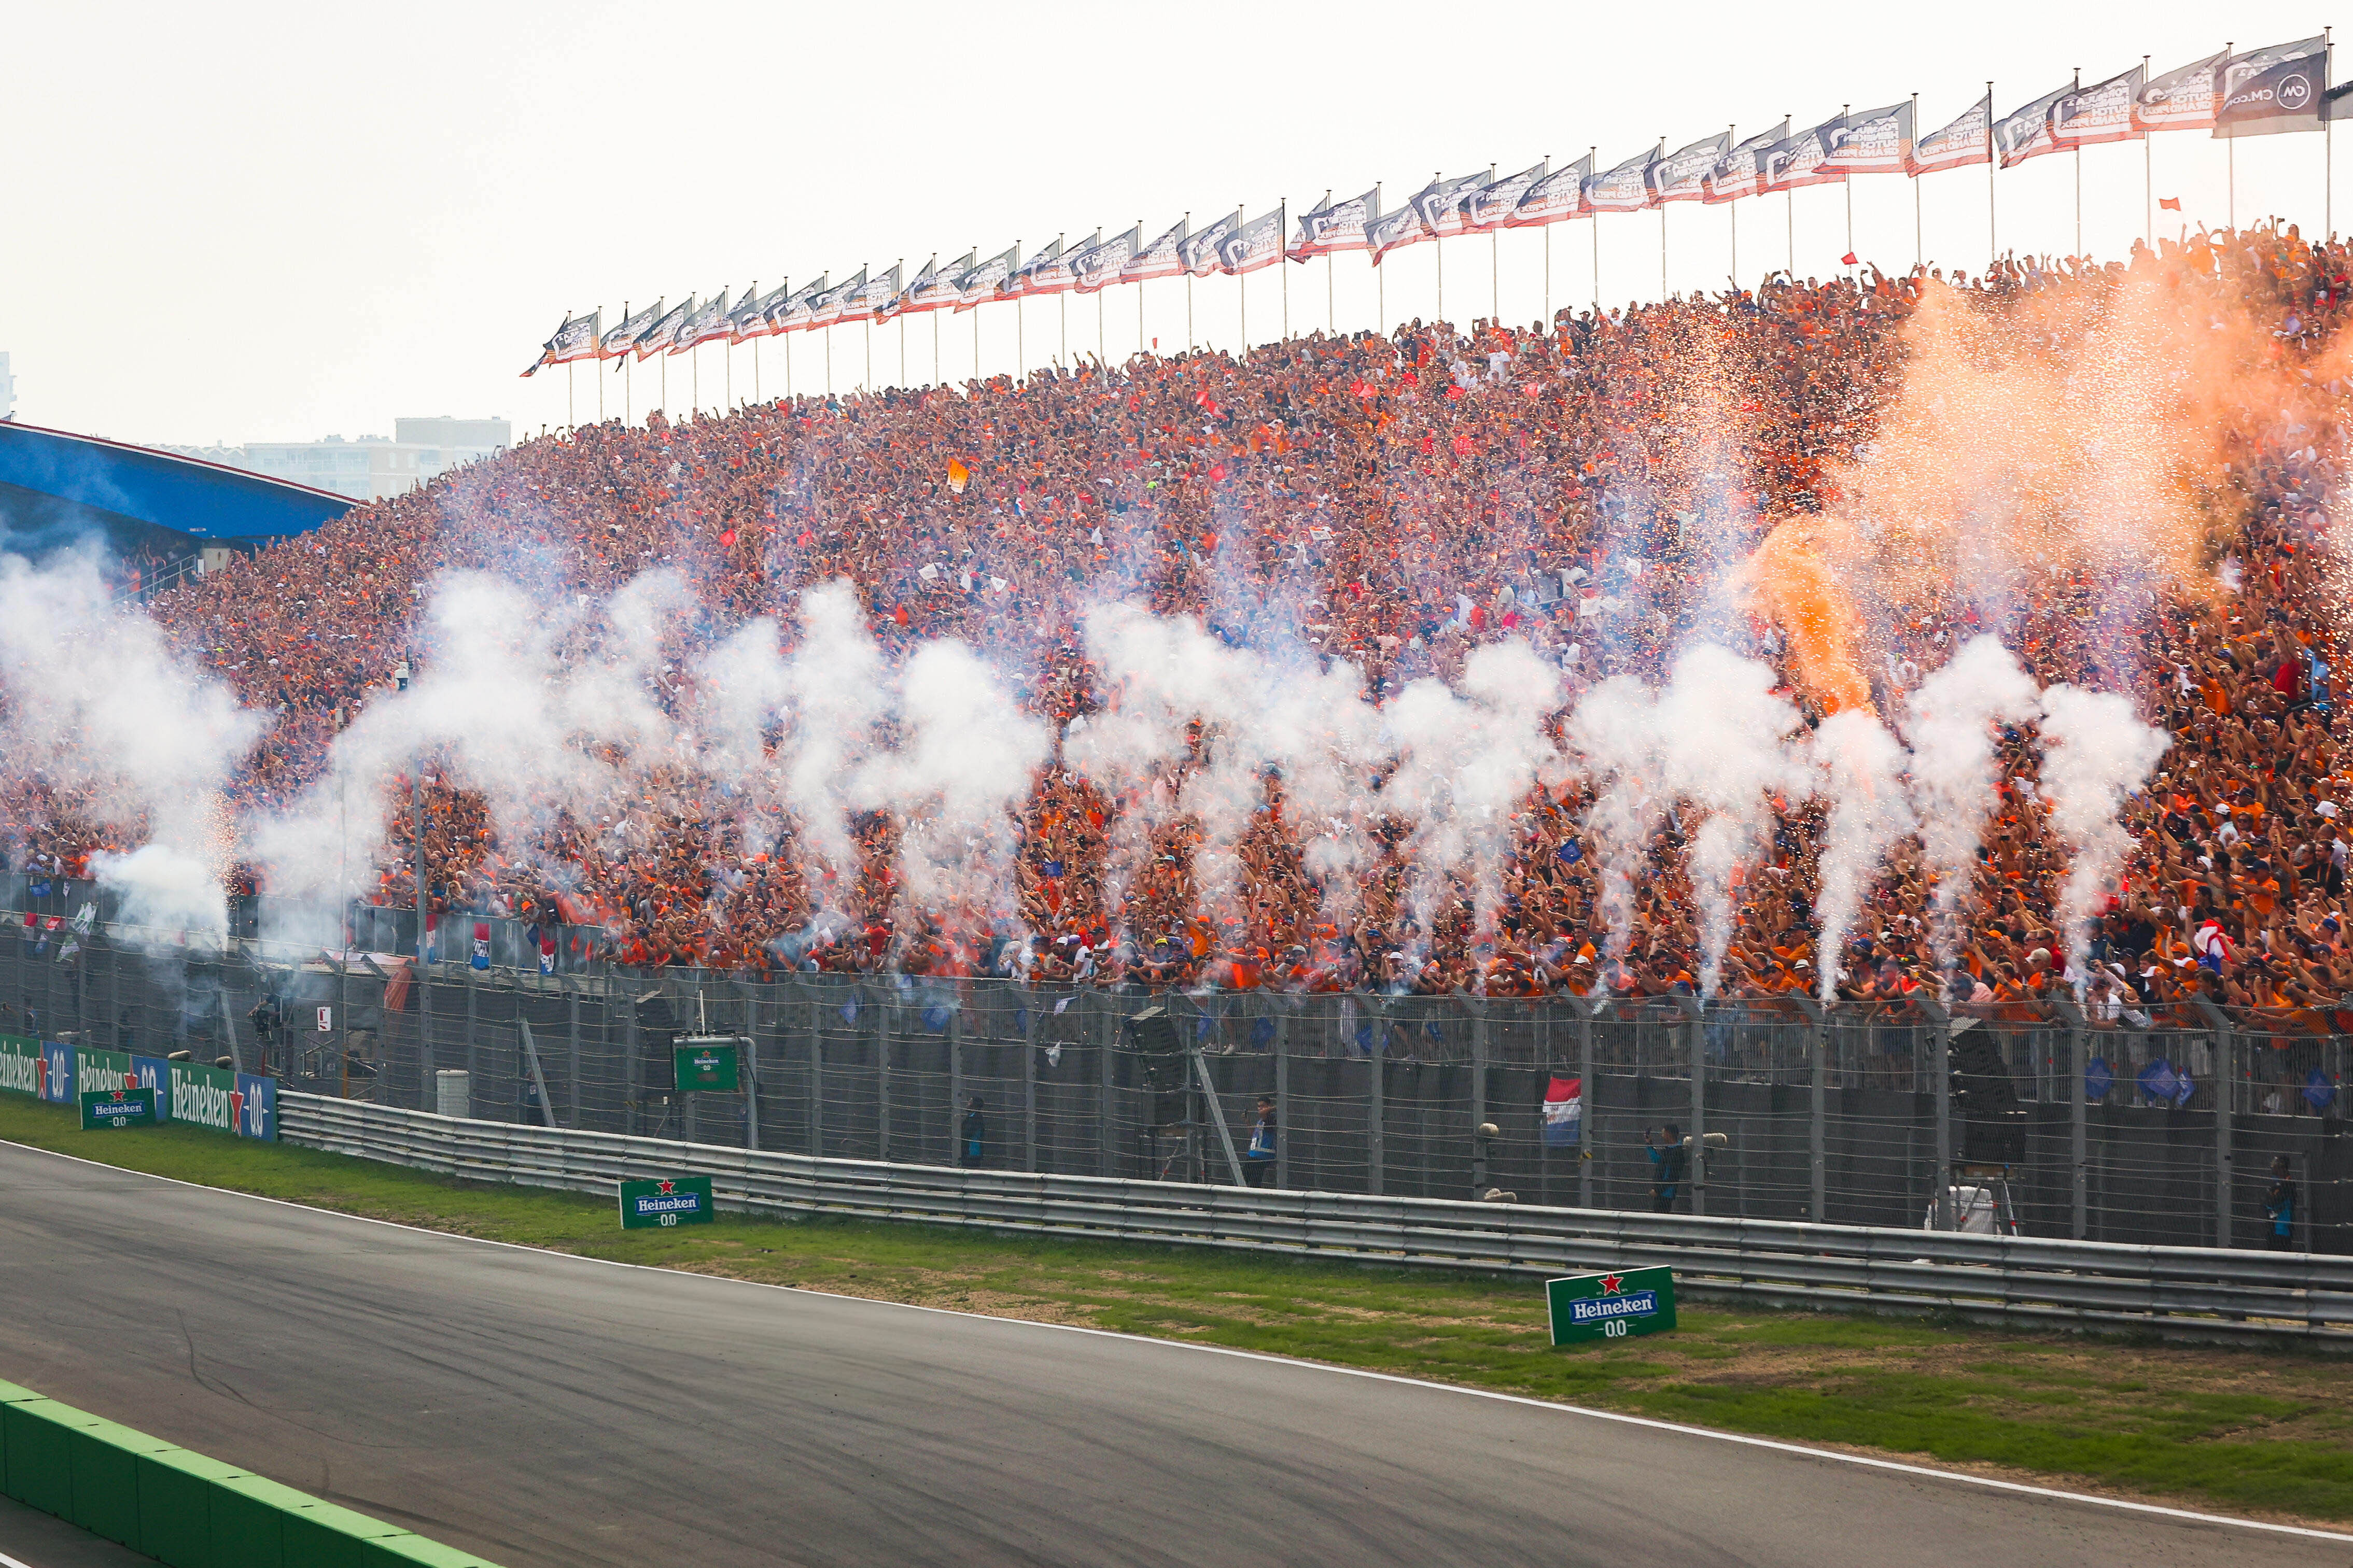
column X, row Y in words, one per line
column 250, row 222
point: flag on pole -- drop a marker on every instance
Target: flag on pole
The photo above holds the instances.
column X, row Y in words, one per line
column 1158, row 260
column 1099, row 266
column 1254, row 244
column 987, row 281
column 2103, row 112
column 1495, row 204
column 880, row 299
column 2280, row 99
column 828, row 308
column 2180, row 99
column 1682, row 175
column 1385, row 232
column 2340, row 103
column 1439, row 205
column 2168, row 204
column 1557, row 195
column 2254, row 62
column 664, row 332
column 752, row 320
column 625, row 336
column 1049, row 271
column 936, row 287
column 574, row 340
column 1964, row 141
column 797, row 313
column 1877, row 142
column 1804, row 159
column 1196, row 252
column 2025, row 132
column 1741, row 171
column 1334, row 226
column 708, row 322
column 1625, row 188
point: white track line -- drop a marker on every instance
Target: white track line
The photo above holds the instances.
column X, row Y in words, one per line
column 1863, row 1460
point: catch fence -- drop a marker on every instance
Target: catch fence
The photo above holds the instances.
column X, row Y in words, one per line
column 1843, row 1116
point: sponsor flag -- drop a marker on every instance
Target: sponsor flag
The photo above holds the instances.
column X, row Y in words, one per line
column 1018, row 280
column 983, row 283
column 1098, row 267
column 1804, row 159
column 1196, row 252
column 797, row 313
column 883, row 294
column 1682, row 175
column 2254, row 62
column 664, row 332
column 826, row 309
column 2025, row 132
column 1564, row 1113
column 1964, row 141
column 2087, row 116
column 2339, row 107
column 1050, row 271
column 752, row 320
column 1158, row 260
column 1439, row 205
column 624, row 337
column 1877, row 142
column 2180, row 99
column 1256, row 244
column 936, row 287
column 574, row 340
column 1741, row 171
column 1493, row 204
column 703, row 325
column 1335, row 227
column 1625, row 188
column 1560, row 194
column 2286, row 97
column 1385, row 232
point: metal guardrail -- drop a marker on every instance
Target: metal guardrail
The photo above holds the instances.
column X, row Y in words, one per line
column 2177, row 1292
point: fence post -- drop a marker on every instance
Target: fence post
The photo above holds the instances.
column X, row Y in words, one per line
column 1478, row 1092
column 1106, row 1122
column 2079, row 1142
column 883, row 1078
column 955, row 1081
column 1591, row 1116
column 1816, row 1108
column 1282, row 1098
column 2226, row 1096
column 1697, row 1166
column 571, row 984
column 817, row 1072
column 1376, row 1145
column 751, row 1066
column 1029, row 1090
column 631, row 1068
column 1940, row 1063
column 473, row 1049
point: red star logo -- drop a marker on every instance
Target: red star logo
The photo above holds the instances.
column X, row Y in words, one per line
column 1611, row 1284
column 666, row 1186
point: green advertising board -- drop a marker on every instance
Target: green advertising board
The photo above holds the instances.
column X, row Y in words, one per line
column 106, row 1109
column 707, row 1067
column 20, row 1064
column 1611, row 1306
column 665, row 1201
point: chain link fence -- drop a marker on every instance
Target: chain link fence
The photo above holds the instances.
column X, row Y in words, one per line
column 1845, row 1115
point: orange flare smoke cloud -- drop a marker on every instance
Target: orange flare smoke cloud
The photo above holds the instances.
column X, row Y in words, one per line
column 1793, row 585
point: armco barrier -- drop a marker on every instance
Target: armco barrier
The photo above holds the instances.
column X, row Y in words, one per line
column 2183, row 1291
column 182, row 1508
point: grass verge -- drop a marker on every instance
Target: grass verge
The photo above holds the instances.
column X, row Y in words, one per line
column 2267, row 1432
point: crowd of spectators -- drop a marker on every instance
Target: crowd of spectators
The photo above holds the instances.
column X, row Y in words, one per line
column 1393, row 500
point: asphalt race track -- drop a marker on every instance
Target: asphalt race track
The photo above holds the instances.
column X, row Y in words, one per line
column 551, row 1412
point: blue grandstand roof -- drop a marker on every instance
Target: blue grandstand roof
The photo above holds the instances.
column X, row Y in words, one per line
column 162, row 489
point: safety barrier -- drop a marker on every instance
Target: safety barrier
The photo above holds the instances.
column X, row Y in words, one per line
column 2179, row 1292
column 182, row 1509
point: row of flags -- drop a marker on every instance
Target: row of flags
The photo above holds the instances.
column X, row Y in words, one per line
column 2284, row 87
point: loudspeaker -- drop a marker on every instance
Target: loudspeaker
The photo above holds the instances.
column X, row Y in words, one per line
column 1985, row 1099
column 1160, row 1054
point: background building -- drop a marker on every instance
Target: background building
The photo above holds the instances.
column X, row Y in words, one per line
column 371, row 467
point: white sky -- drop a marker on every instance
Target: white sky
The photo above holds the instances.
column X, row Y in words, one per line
column 268, row 222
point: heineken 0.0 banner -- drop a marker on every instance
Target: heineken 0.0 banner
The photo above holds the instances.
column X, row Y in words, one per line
column 666, row 1201
column 113, row 1108
column 21, row 1069
column 707, row 1067
column 1611, row 1306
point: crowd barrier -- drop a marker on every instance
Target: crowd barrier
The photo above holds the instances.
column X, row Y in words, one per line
column 182, row 1508
column 2187, row 1292
column 194, row 1094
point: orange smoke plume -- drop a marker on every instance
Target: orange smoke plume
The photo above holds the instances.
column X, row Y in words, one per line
column 1790, row 583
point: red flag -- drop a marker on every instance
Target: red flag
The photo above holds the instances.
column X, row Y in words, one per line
column 2169, row 204
column 1847, row 260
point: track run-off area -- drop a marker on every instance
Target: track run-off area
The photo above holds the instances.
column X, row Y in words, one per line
column 549, row 1411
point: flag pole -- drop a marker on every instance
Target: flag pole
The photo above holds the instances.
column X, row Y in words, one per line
column 1789, row 214
column 1662, row 243
column 1188, row 290
column 1241, row 288
column 600, row 379
column 1993, row 162
column 1020, row 320
column 1846, row 112
column 1282, row 261
column 570, row 383
column 1062, row 307
column 2148, row 174
column 1380, row 283
column 2078, row 87
column 1919, row 248
column 2230, row 151
column 1331, row 319
column 1547, row 242
column 2328, row 144
column 1139, row 297
column 1594, row 219
column 975, row 325
column 1439, row 238
column 1731, row 211
column 903, row 324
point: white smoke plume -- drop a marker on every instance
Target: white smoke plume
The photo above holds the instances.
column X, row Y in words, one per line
column 99, row 704
column 2096, row 751
column 1615, row 730
column 1950, row 725
column 1861, row 769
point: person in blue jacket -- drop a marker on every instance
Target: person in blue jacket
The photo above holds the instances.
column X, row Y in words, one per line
column 1670, row 1163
